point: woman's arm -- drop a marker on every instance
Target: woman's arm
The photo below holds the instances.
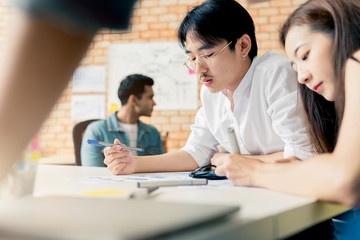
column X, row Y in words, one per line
column 331, row 177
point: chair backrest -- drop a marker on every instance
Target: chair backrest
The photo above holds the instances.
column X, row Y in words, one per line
column 78, row 132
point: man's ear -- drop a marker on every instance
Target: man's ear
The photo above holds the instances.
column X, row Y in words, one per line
column 244, row 44
column 133, row 100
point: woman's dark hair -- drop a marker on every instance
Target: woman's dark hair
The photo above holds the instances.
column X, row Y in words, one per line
column 215, row 20
column 339, row 19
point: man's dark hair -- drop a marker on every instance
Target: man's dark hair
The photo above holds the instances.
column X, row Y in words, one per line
column 133, row 84
column 215, row 20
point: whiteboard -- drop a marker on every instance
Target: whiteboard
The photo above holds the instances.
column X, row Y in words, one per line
column 175, row 86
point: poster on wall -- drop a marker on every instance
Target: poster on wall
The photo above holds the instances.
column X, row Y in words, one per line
column 87, row 106
column 175, row 86
column 89, row 79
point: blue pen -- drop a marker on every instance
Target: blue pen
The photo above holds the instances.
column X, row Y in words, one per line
column 105, row 144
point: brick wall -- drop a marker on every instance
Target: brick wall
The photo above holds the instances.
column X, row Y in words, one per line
column 152, row 21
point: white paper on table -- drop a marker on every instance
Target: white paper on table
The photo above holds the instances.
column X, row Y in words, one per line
column 133, row 177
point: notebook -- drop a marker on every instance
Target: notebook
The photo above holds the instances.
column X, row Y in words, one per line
column 100, row 218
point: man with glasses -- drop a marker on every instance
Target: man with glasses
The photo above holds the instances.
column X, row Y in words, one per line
column 256, row 96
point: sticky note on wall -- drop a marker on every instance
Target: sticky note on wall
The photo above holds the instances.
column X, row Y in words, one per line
column 114, row 107
column 191, row 72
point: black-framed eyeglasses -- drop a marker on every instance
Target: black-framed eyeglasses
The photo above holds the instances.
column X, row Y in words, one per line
column 203, row 60
column 207, row 172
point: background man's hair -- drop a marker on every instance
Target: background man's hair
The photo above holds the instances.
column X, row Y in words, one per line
column 133, row 84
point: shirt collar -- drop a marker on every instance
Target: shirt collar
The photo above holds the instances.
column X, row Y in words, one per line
column 114, row 126
column 245, row 82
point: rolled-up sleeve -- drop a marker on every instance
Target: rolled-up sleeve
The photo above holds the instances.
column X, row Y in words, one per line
column 201, row 144
column 286, row 111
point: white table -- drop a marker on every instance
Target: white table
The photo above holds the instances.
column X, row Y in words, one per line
column 264, row 214
column 57, row 160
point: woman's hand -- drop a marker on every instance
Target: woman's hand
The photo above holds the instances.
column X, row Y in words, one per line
column 238, row 169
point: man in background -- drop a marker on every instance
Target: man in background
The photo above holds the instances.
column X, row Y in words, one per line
column 136, row 97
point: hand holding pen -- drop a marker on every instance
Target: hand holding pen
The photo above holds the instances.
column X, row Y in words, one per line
column 105, row 144
column 233, row 141
column 119, row 161
column 219, row 158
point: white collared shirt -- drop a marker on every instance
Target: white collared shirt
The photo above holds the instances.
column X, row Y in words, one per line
column 267, row 116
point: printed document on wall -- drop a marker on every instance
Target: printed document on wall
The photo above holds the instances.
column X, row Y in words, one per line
column 89, row 79
column 89, row 106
